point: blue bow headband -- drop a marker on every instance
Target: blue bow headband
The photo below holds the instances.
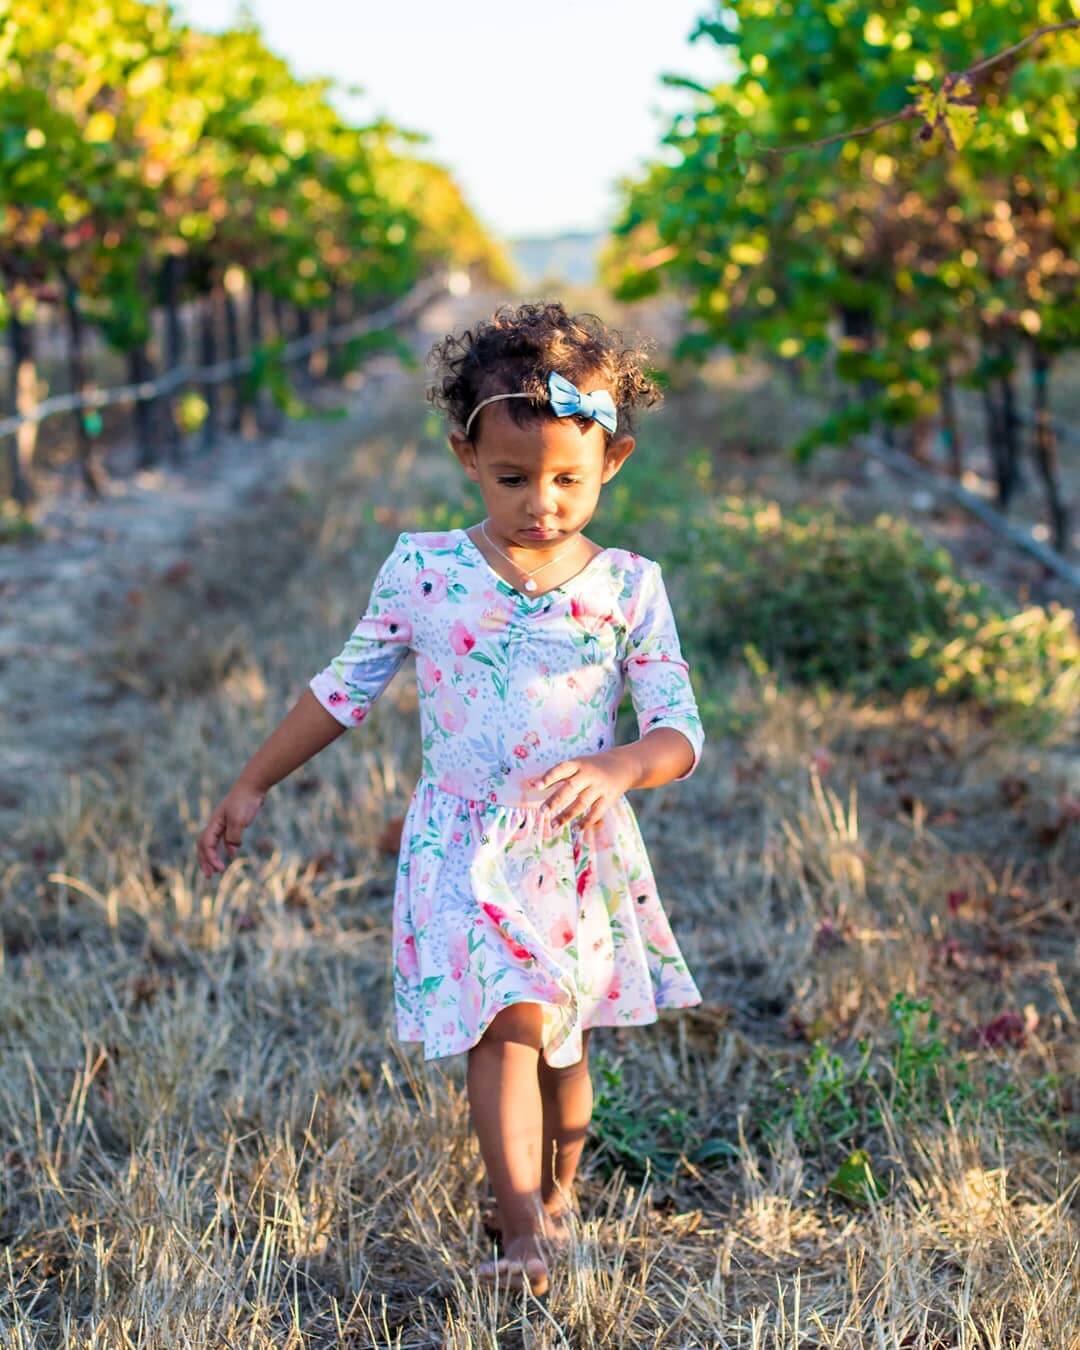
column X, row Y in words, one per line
column 567, row 400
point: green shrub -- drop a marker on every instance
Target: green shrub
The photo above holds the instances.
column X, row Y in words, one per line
column 867, row 608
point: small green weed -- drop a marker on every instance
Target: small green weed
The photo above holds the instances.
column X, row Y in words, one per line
column 921, row 1078
column 630, row 1129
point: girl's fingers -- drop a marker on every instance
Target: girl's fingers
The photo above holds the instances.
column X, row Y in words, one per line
column 578, row 806
column 557, row 771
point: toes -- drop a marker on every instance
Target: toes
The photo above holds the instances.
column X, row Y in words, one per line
column 515, row 1272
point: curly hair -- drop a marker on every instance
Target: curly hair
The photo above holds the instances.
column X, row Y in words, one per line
column 515, row 350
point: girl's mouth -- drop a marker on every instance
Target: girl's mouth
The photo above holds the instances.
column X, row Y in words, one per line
column 539, row 534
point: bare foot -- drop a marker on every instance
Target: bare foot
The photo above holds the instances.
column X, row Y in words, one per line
column 524, row 1262
column 556, row 1224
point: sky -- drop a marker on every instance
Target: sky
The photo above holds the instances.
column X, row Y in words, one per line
column 535, row 109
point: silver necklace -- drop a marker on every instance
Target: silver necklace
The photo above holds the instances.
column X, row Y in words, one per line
column 530, row 585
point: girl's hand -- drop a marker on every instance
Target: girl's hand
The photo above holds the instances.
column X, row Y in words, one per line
column 231, row 817
column 588, row 787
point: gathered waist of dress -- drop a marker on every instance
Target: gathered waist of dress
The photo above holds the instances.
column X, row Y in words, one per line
column 480, row 797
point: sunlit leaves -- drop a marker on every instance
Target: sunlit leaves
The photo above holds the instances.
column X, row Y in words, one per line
column 126, row 138
column 938, row 220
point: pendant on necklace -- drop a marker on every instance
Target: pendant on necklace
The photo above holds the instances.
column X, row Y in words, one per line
column 530, row 585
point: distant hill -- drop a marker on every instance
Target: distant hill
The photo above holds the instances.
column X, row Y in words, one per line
column 568, row 258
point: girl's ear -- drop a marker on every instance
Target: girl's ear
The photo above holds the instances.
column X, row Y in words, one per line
column 616, row 455
column 465, row 451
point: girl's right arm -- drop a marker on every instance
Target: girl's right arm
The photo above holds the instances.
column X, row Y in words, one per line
column 337, row 698
column 305, row 729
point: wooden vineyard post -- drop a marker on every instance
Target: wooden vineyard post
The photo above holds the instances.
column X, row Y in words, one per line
column 24, row 401
column 208, row 357
column 1045, row 448
column 317, row 362
column 90, row 463
column 140, row 369
column 174, row 348
column 263, row 417
column 950, row 430
column 231, row 287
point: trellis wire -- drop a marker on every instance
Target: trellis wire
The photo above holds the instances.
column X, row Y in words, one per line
column 224, row 370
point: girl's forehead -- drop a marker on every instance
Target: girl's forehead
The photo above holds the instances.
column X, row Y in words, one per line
column 561, row 443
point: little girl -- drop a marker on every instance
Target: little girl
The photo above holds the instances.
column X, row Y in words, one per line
column 525, row 910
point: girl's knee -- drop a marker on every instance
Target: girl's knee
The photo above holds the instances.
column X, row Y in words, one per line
column 521, row 1023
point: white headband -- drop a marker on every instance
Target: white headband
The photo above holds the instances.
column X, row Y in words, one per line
column 484, row 402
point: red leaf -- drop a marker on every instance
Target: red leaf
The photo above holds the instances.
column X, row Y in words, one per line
column 1006, row 1029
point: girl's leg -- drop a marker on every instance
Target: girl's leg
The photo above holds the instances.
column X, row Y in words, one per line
column 507, row 1114
column 567, row 1097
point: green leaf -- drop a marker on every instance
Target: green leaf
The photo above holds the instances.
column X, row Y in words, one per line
column 854, row 1178
column 960, row 120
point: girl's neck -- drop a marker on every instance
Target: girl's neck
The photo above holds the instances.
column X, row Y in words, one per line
column 571, row 561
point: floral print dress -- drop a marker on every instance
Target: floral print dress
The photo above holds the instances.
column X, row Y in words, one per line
column 494, row 905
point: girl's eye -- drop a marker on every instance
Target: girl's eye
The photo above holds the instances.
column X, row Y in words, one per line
column 511, row 482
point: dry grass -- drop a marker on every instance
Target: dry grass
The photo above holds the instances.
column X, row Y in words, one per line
column 211, row 1138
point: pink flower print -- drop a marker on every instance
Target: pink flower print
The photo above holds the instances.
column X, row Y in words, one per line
column 614, row 989
column 388, row 625
column 495, row 617
column 407, row 962
column 426, row 672
column 558, row 721
column 459, row 669
column 522, row 751
column 604, row 837
column 458, row 952
column 588, row 619
column 499, row 917
column 659, row 934
column 456, row 836
column 531, row 738
column 450, row 709
column 439, row 541
column 448, row 1029
column 461, row 639
column 587, row 682
column 584, row 879
column 436, row 675
column 421, row 909
column 493, row 911
column 336, row 698
column 452, row 782
column 539, row 882
column 358, row 714
column 471, row 999
column 430, row 586
column 560, row 933
column 473, row 691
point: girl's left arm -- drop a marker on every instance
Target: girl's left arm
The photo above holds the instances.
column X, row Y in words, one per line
column 663, row 756
column 669, row 724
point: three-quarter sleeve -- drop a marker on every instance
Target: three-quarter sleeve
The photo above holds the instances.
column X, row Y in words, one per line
column 377, row 646
column 654, row 668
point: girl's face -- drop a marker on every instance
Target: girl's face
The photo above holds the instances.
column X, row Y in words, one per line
column 540, row 483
